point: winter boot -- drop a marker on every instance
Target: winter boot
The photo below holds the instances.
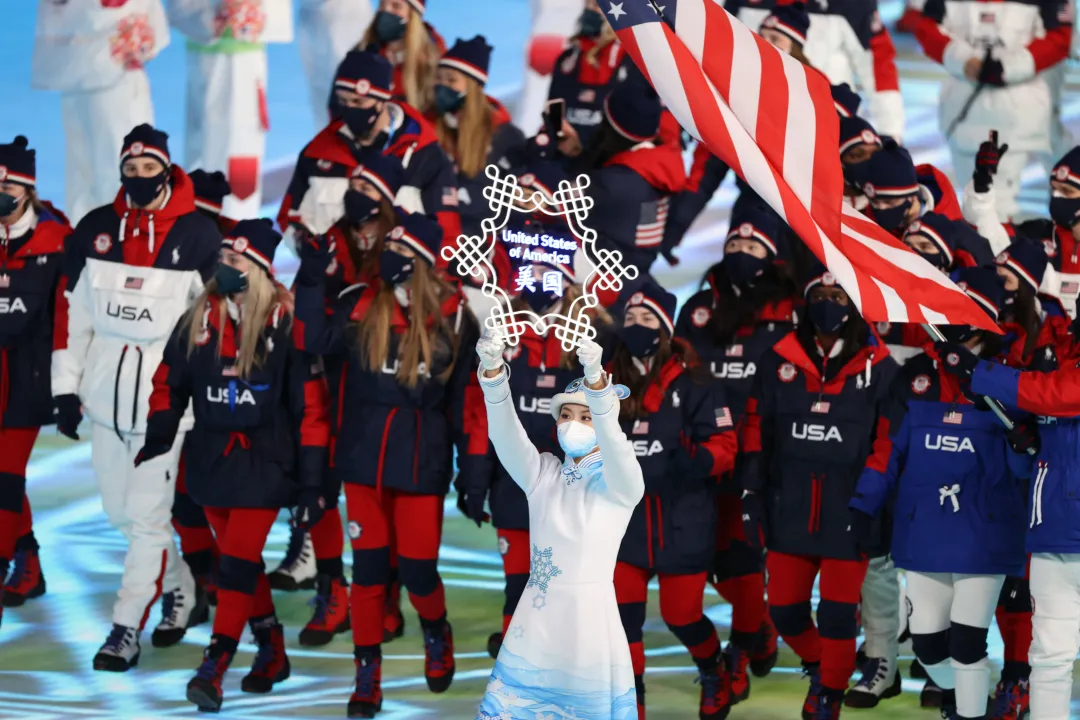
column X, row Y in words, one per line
column 331, row 612
column 821, row 703
column 715, row 701
column 297, row 569
column 120, row 652
column 1011, row 699
column 494, row 645
column 271, row 664
column 393, row 620
column 366, row 699
column 179, row 611
column 860, row 657
column 763, row 660
column 880, row 681
column 204, row 690
column 439, row 657
column 948, row 704
column 931, row 695
column 26, row 581
column 738, row 662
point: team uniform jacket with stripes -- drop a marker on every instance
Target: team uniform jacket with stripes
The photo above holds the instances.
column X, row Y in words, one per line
column 130, row 275
column 257, row 441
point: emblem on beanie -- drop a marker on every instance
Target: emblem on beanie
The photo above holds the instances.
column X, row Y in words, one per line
column 868, row 190
column 746, row 230
column 240, row 244
column 473, row 256
column 3, row 173
column 869, row 137
column 1062, row 173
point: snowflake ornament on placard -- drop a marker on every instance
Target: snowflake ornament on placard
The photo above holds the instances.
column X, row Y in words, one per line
column 473, row 255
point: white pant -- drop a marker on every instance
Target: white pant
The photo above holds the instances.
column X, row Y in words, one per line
column 95, row 123
column 1055, row 633
column 138, row 503
column 881, row 611
column 326, row 31
column 1006, row 182
column 227, row 122
column 937, row 601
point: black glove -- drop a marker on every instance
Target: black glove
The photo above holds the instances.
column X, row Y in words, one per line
column 471, row 505
column 861, row 530
column 992, row 72
column 753, row 519
column 958, row 360
column 316, row 252
column 310, row 507
column 692, row 462
column 1024, row 438
column 150, row 450
column 986, row 162
column 68, row 412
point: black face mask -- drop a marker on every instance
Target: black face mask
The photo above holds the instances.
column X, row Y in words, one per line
column 641, row 341
column 395, row 268
column 893, row 218
column 591, row 23
column 230, row 280
column 143, row 190
column 1064, row 211
column 359, row 208
column 938, row 260
column 359, row 120
column 1008, row 303
column 743, row 268
column 539, row 300
column 855, row 174
column 8, row 204
column 958, row 334
column 389, row 27
column 827, row 316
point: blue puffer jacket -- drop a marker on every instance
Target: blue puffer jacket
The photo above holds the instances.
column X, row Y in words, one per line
column 958, row 500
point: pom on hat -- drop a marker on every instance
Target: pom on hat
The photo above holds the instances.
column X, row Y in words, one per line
column 18, row 163
column 753, row 221
column 890, row 172
column 421, row 234
column 647, row 294
column 256, row 240
column 366, row 74
column 384, row 172
column 845, row 100
column 791, row 20
column 146, row 141
column 1027, row 260
column 634, row 111
column 210, row 189
column 857, row 131
column 472, row 57
column 984, row 286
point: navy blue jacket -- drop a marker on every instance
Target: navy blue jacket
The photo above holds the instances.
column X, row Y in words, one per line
column 684, row 442
column 804, row 444
column 386, row 434
column 257, row 441
column 584, row 85
column 30, row 297
column 958, row 505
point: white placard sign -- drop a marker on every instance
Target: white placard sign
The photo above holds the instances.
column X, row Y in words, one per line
column 473, row 255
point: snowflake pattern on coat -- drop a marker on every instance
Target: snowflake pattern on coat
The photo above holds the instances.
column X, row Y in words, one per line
column 242, row 20
column 541, row 569
column 133, row 42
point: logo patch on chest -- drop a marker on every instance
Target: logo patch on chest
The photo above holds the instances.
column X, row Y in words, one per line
column 787, row 372
column 102, row 243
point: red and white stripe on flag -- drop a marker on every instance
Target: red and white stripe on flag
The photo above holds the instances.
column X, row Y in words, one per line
column 772, row 120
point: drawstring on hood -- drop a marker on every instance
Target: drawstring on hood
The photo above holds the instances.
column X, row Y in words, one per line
column 135, row 221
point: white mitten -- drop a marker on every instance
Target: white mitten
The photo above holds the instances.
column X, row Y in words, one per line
column 589, row 353
column 490, row 348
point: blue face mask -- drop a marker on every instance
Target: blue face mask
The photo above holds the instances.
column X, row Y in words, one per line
column 591, row 23
column 448, row 100
column 743, row 268
column 395, row 268
column 894, row 218
column 539, row 300
column 640, row 341
column 230, row 280
column 389, row 27
column 576, row 439
column 359, row 208
column 827, row 316
column 359, row 120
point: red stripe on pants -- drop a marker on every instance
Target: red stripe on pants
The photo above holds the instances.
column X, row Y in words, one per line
column 15, row 447
column 515, row 560
column 241, row 533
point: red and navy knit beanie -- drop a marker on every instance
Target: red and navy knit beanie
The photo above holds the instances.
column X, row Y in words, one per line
column 854, row 131
column 890, row 172
column 984, row 286
column 472, row 57
column 364, row 73
column 845, row 100
column 791, row 20
column 753, row 221
column 421, row 234
column 542, row 176
column 633, row 109
column 647, row 294
column 254, row 239
column 384, row 172
column 146, row 141
column 939, row 230
column 18, row 163
column 818, row 274
column 1027, row 260
column 210, row 189
column 1067, row 169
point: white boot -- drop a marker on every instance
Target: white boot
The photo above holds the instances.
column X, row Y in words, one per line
column 297, row 569
column 181, row 608
column 120, row 652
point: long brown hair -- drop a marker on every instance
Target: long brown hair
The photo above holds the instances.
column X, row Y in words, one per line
column 470, row 142
column 624, row 371
column 428, row 333
column 262, row 297
column 418, row 65
column 598, row 317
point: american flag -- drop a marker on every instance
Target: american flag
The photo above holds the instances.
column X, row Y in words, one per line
column 650, row 229
column 723, row 417
column 133, row 283
column 772, row 120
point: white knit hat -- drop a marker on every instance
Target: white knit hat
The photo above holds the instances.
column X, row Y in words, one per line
column 575, row 395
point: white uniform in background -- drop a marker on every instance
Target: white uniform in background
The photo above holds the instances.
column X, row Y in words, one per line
column 93, row 52
column 1061, row 139
column 227, row 117
column 327, row 30
column 553, row 21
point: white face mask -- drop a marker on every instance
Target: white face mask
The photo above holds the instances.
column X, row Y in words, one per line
column 576, row 439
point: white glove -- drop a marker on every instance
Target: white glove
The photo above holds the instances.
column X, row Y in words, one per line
column 589, row 354
column 490, row 348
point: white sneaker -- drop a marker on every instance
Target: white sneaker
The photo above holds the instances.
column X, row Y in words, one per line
column 879, row 681
column 120, row 652
column 179, row 611
column 297, row 569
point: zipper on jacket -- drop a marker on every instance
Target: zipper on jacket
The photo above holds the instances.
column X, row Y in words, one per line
column 116, row 394
column 135, row 397
column 648, row 527
column 1043, row 467
column 416, row 454
column 660, row 522
column 4, row 386
column 813, row 525
column 340, row 411
column 382, row 450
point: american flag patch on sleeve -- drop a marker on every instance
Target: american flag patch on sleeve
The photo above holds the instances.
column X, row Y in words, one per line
column 133, row 283
column 449, row 197
column 723, row 418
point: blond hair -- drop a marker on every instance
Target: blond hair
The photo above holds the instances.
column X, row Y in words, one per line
column 418, row 65
column 470, row 142
column 262, row 297
column 603, row 42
